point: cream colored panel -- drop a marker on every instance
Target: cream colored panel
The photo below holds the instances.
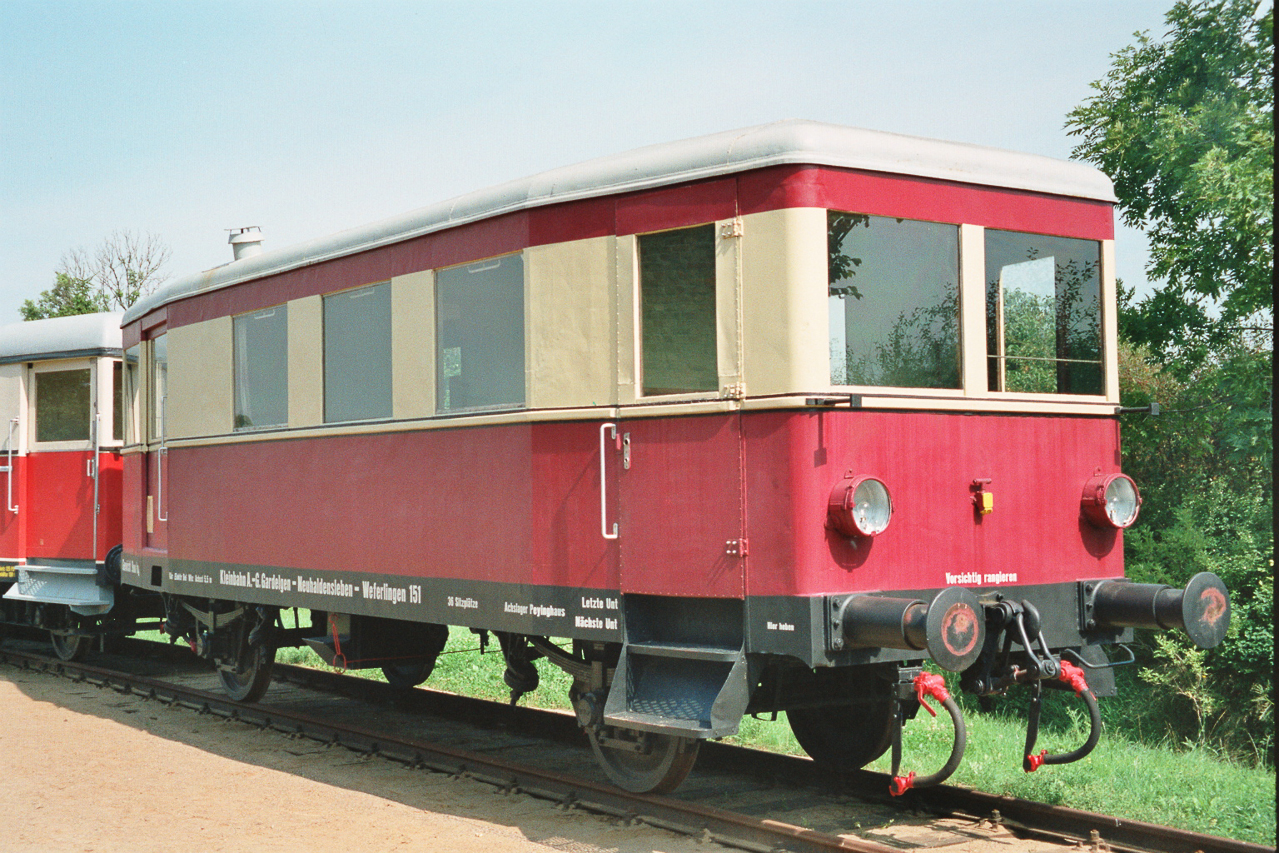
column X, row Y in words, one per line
column 728, row 306
column 199, row 394
column 1109, row 320
column 306, row 362
column 626, row 287
column 12, row 405
column 570, row 324
column 413, row 345
column 972, row 309
column 785, row 330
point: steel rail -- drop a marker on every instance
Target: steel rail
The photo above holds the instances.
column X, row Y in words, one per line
column 1072, row 826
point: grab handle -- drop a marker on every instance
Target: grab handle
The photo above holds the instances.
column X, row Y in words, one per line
column 604, row 528
column 9, row 502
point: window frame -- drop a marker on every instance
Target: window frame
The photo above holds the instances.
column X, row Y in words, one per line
column 325, row 337
column 440, row 282
column 33, row 403
column 260, row 313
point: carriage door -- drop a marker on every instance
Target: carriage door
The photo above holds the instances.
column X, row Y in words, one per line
column 680, row 509
column 60, row 511
column 157, row 461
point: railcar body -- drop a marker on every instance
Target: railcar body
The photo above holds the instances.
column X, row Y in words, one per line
column 62, row 427
column 760, row 421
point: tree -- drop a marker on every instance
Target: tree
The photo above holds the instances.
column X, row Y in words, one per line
column 1185, row 128
column 126, row 267
column 67, row 297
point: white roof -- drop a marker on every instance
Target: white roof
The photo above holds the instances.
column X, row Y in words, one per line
column 61, row 337
column 788, row 142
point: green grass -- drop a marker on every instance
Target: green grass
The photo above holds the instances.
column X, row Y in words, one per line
column 1188, row 788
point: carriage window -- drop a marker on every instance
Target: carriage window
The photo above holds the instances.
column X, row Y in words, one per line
column 479, row 355
column 1043, row 314
column 159, row 383
column 894, row 314
column 357, row 354
column 63, row 401
column 131, row 385
column 261, row 368
column 677, row 299
column 117, row 401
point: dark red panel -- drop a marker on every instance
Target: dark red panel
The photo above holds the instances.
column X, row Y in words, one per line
column 677, row 207
column 1037, row 466
column 922, row 198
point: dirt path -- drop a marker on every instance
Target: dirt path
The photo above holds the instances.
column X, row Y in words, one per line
column 91, row 771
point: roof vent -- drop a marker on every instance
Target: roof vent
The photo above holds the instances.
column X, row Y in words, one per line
column 246, row 242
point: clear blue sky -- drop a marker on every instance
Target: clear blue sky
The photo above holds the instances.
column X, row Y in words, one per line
column 184, row 119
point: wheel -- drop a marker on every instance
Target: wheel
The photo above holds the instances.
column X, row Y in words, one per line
column 251, row 681
column 66, row 645
column 658, row 769
column 407, row 675
column 69, row 647
column 254, row 656
column 847, row 736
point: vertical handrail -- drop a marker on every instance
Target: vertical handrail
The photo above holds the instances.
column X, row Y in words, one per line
column 604, row 530
column 97, row 449
column 8, row 489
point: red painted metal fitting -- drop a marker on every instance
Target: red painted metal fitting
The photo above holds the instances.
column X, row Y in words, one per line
column 902, row 784
column 927, row 684
column 1074, row 676
column 1034, row 762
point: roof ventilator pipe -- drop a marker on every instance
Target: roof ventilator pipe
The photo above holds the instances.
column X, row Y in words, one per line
column 246, row 242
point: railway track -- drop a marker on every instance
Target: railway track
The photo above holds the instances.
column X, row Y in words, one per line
column 740, row 798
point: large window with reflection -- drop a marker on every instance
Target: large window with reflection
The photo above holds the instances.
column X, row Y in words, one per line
column 261, row 361
column 63, row 403
column 357, row 354
column 894, row 301
column 1043, row 313
column 479, row 357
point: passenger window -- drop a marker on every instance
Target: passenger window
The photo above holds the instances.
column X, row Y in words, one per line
column 63, row 403
column 159, row 384
column 131, row 386
column 677, row 311
column 1043, row 313
column 261, row 358
column 357, row 354
column 117, row 401
column 479, row 350
column 894, row 301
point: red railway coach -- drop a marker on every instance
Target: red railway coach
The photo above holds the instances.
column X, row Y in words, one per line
column 760, row 421
column 61, row 423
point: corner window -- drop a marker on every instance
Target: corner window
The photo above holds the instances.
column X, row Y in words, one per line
column 117, row 401
column 894, row 291
column 63, row 404
column 677, row 311
column 261, row 359
column 132, row 382
column 159, row 384
column 1043, row 314
column 357, row 354
column 479, row 355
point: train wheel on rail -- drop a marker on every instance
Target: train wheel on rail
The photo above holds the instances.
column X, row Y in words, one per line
column 849, row 735
column 247, row 678
column 643, row 762
column 67, row 644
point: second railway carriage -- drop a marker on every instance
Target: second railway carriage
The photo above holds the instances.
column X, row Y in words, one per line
column 62, row 428
column 758, row 421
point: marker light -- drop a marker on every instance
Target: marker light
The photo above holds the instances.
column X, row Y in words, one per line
column 1111, row 500
column 860, row 506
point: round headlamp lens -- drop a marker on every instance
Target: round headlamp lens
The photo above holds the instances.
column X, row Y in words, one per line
column 1122, row 501
column 872, row 507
